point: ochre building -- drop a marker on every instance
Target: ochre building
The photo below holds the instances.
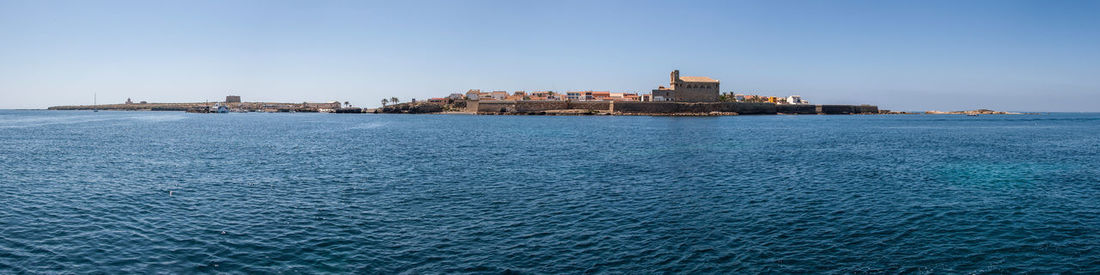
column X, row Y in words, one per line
column 687, row 89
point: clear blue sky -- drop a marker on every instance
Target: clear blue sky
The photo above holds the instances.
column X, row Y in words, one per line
column 902, row 55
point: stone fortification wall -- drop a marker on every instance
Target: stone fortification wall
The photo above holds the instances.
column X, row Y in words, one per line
column 796, row 109
column 627, row 107
column 847, row 109
column 752, row 108
column 471, row 106
column 495, row 106
column 534, row 106
column 681, row 107
column 866, row 109
column 835, row 109
column 540, row 106
column 590, row 105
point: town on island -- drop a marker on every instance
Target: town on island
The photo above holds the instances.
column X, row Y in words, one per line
column 684, row 96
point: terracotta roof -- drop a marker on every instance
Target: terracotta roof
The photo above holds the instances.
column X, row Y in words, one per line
column 697, row 79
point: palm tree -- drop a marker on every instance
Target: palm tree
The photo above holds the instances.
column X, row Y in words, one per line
column 384, row 101
column 347, row 104
column 394, row 100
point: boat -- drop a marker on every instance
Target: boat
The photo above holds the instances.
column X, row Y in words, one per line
column 95, row 103
column 219, row 108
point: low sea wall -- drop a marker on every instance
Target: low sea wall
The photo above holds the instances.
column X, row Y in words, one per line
column 694, row 108
column 801, row 109
column 847, row 109
column 534, row 106
column 660, row 108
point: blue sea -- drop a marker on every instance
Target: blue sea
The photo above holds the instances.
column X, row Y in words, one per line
column 169, row 192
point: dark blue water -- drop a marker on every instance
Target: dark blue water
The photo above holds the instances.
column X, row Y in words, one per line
column 174, row 192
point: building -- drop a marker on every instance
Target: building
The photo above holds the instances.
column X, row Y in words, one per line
column 473, row 94
column 498, row 95
column 625, row 97
column 233, row 99
column 573, row 95
column 599, row 96
column 541, row 95
column 796, row 99
column 518, row 95
column 688, row 89
column 455, row 96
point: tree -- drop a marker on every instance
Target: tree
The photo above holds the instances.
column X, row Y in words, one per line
column 384, row 101
column 348, row 104
column 394, row 100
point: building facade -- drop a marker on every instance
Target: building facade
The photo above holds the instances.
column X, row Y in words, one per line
column 688, row 89
column 498, row 95
column 796, row 99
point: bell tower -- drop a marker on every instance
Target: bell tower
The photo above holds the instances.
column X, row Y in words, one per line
column 674, row 77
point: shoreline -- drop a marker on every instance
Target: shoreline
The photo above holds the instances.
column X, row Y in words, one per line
column 576, row 112
column 544, row 108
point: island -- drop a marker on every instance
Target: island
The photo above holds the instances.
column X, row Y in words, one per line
column 684, row 96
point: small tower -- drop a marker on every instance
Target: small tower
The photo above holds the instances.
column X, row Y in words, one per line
column 673, row 78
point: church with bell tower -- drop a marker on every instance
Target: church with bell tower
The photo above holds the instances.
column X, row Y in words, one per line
column 687, row 89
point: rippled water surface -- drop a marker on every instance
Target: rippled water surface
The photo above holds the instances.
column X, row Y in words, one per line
column 175, row 192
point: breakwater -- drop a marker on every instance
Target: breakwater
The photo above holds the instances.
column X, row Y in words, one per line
column 659, row 108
